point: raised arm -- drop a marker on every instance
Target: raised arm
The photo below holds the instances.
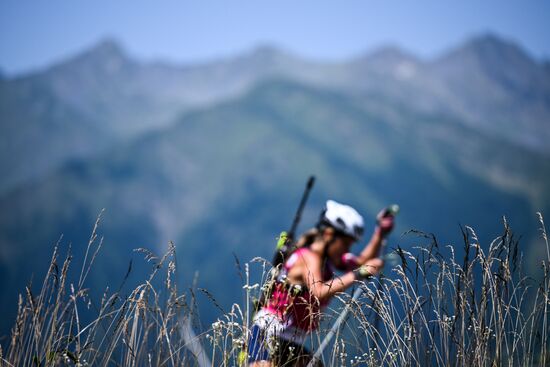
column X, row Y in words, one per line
column 372, row 248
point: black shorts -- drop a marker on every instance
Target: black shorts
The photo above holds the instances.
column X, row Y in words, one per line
column 279, row 351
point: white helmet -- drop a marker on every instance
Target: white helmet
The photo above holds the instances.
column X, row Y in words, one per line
column 343, row 218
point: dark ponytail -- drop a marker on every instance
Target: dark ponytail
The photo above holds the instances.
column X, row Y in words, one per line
column 307, row 238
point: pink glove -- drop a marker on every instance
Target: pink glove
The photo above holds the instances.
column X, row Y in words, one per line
column 385, row 222
column 349, row 261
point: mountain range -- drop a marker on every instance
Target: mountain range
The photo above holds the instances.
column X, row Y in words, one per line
column 214, row 156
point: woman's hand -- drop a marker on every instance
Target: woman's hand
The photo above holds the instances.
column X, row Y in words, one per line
column 385, row 222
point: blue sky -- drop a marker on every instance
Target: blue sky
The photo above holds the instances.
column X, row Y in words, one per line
column 35, row 34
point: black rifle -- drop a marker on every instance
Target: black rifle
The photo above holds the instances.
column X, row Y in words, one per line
column 284, row 247
column 286, row 239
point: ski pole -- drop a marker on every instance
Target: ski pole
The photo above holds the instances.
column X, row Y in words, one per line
column 341, row 319
column 193, row 344
column 392, row 210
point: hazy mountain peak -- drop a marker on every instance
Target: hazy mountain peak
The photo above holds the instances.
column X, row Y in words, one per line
column 391, row 53
column 107, row 50
column 502, row 61
column 489, row 50
column 268, row 53
column 108, row 47
column 499, row 86
column 487, row 40
column 107, row 56
column 267, row 50
column 391, row 61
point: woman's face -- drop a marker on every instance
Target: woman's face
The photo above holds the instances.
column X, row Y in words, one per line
column 339, row 246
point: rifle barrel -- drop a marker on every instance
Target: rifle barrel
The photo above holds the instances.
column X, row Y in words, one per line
column 298, row 215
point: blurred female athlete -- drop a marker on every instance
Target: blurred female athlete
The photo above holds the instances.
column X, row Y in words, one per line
column 307, row 282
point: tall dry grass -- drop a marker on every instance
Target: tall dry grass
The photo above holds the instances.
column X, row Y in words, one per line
column 437, row 310
column 431, row 309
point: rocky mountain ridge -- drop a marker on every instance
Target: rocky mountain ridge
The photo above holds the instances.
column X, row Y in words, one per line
column 488, row 83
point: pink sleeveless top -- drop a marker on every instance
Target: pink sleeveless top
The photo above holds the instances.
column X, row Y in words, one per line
column 294, row 304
